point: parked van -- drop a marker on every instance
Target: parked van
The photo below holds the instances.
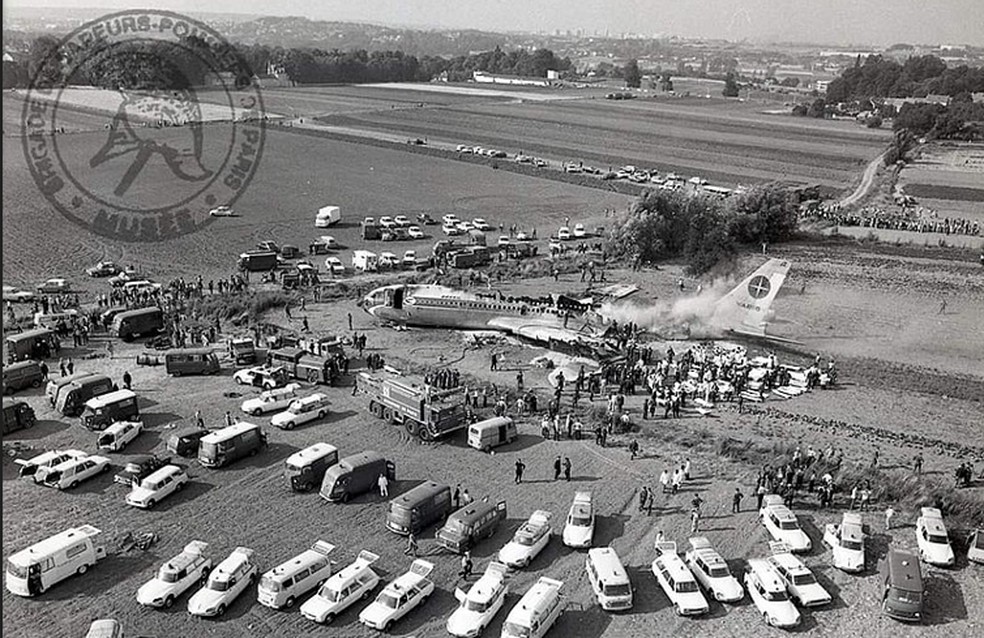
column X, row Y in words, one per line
column 230, row 444
column 902, row 588
column 491, row 433
column 473, row 522
column 106, row 409
column 190, row 361
column 51, row 320
column 185, row 441
column 17, row 415
column 118, row 435
column 608, row 579
column 34, row 570
column 20, row 375
column 365, row 260
column 327, row 215
column 31, row 344
column 305, row 469
column 418, row 508
column 55, row 384
column 536, row 611
column 72, row 398
column 355, row 475
column 282, row 585
column 135, row 323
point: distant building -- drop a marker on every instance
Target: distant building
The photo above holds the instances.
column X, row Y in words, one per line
column 821, row 85
column 488, row 78
column 898, row 102
column 553, row 75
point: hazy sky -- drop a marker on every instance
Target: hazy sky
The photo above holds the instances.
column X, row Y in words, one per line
column 834, row 21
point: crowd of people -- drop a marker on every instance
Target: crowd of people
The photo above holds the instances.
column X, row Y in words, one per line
column 909, row 218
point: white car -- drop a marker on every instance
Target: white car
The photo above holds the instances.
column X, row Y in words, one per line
column 156, row 487
column 523, row 236
column 564, row 233
column 414, row 232
column 46, row 460
column 481, row 224
column 847, row 542
column 451, row 229
column 229, row 579
column 265, row 376
column 480, row 604
column 450, row 220
column 461, row 148
column 388, row 260
column 116, row 437
column 782, row 525
column 222, row 211
column 309, row 408
column 141, row 285
column 579, row 529
column 270, row 400
column 386, row 222
column 176, row 576
column 335, row 266
column 329, row 241
column 16, row 295
column 975, row 547
column 579, row 231
column 354, row 582
column 712, row 571
column 399, row 597
column 401, row 221
column 529, row 540
column 409, row 258
column 800, row 582
column 70, row 473
column 503, row 241
column 677, row 581
column 768, row 593
column 932, row 539
column 54, row 285
column 466, row 227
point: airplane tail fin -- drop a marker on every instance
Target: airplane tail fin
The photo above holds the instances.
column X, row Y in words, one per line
column 746, row 309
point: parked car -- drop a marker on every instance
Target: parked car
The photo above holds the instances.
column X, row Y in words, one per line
column 46, row 460
column 401, row 221
column 158, row 486
column 388, row 260
column 399, row 597
column 105, row 628
column 800, row 582
column 261, row 376
column 176, row 576
column 414, row 232
column 268, row 246
column 564, row 233
column 677, row 581
column 481, row 224
column 450, row 220
column 579, row 231
column 461, row 148
column 17, row 295
column 70, row 473
column 229, row 579
column 116, row 437
column 53, row 286
column 103, row 269
column 932, row 538
column 579, row 529
column 451, row 230
column 768, row 593
column 386, row 222
column 140, row 467
column 975, row 546
column 712, row 571
column 300, row 411
column 425, row 219
column 335, row 266
column 353, row 583
column 222, row 211
column 184, row 442
column 847, row 542
column 782, row 525
column 480, row 604
column 270, row 400
column 529, row 540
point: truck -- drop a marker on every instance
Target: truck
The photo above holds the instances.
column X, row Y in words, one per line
column 365, row 260
column 256, row 260
column 370, row 230
column 470, row 257
column 327, row 215
column 424, row 411
column 303, row 365
column 242, row 350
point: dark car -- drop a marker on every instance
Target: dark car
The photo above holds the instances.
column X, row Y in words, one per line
column 103, row 269
column 424, row 218
column 185, row 442
column 140, row 467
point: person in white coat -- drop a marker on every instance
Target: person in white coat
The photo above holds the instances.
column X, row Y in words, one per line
column 383, row 484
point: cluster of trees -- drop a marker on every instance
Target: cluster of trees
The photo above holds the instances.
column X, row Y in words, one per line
column 314, row 66
column 961, row 120
column 916, row 77
column 517, row 62
column 703, row 231
column 730, row 84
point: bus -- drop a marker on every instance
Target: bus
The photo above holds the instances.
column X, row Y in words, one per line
column 34, row 570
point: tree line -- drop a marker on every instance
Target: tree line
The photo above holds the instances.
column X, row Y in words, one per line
column 918, row 76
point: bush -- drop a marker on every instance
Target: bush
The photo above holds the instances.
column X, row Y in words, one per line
column 874, row 121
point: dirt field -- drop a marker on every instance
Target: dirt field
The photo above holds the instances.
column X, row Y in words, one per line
column 911, row 383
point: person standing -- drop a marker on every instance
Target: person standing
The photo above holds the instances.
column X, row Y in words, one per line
column 466, row 566
column 917, row 464
column 228, row 418
column 127, row 379
column 694, row 520
column 493, row 362
column 736, row 501
column 760, row 495
column 383, row 484
column 664, row 480
column 557, row 466
column 520, row 467
column 457, row 496
column 350, row 321
column 71, row 366
column 44, row 371
column 889, row 513
column 519, row 380
column 466, row 498
column 686, row 470
column 567, row 469
column 643, row 497
column 411, row 549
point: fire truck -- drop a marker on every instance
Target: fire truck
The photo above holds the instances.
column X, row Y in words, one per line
column 424, row 411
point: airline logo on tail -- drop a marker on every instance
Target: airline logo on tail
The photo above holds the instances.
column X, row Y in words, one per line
column 746, row 309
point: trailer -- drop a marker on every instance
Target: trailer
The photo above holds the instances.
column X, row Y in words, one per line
column 470, row 257
column 424, row 411
column 300, row 364
column 258, row 260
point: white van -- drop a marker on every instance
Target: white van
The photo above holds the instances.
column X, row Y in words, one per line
column 281, row 586
column 677, row 581
column 33, row 570
column 115, row 437
column 51, row 319
column 352, row 583
column 365, row 260
column 536, row 611
column 327, row 215
column 608, row 579
column 487, row 434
